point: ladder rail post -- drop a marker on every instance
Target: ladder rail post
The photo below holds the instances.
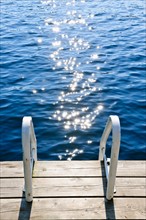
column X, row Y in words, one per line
column 103, row 140
column 114, row 156
column 33, row 142
column 29, row 146
column 113, row 124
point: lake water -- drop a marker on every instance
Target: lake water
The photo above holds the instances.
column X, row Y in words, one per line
column 70, row 64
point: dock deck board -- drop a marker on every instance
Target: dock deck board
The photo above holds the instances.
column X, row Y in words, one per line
column 73, row 190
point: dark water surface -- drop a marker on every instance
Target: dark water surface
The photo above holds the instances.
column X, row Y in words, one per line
column 70, row 64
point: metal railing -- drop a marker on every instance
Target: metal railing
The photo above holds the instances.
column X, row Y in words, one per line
column 29, row 146
column 113, row 124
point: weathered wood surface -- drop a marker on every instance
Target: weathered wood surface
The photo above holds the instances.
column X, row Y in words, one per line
column 73, row 208
column 70, row 187
column 72, row 168
column 73, row 190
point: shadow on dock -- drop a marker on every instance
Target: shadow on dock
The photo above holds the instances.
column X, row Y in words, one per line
column 23, row 214
column 109, row 204
column 26, row 207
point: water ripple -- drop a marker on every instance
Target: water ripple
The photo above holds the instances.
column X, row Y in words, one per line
column 71, row 64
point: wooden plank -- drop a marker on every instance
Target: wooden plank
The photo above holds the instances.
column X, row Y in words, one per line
column 69, row 187
column 73, row 208
column 11, row 169
column 72, row 168
column 68, row 168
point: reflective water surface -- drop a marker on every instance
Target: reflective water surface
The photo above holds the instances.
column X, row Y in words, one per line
column 70, row 64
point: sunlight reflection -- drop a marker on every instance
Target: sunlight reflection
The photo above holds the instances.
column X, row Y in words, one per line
column 34, row 91
column 76, row 119
column 56, row 43
column 69, row 155
column 40, row 40
column 56, row 29
column 78, row 44
column 89, row 142
column 68, row 55
column 59, row 63
column 72, row 139
column 94, row 56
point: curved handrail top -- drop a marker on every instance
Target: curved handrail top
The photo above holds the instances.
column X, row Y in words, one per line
column 28, row 135
column 113, row 124
column 27, row 120
column 115, row 121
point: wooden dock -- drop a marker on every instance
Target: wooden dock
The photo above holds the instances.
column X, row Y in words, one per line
column 73, row 190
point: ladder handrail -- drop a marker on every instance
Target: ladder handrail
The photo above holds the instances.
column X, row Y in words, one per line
column 113, row 124
column 29, row 145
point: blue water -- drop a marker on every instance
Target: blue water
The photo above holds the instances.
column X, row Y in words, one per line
column 70, row 64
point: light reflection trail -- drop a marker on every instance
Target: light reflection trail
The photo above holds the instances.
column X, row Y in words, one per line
column 71, row 110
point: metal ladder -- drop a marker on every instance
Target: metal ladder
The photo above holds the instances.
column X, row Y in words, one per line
column 29, row 145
